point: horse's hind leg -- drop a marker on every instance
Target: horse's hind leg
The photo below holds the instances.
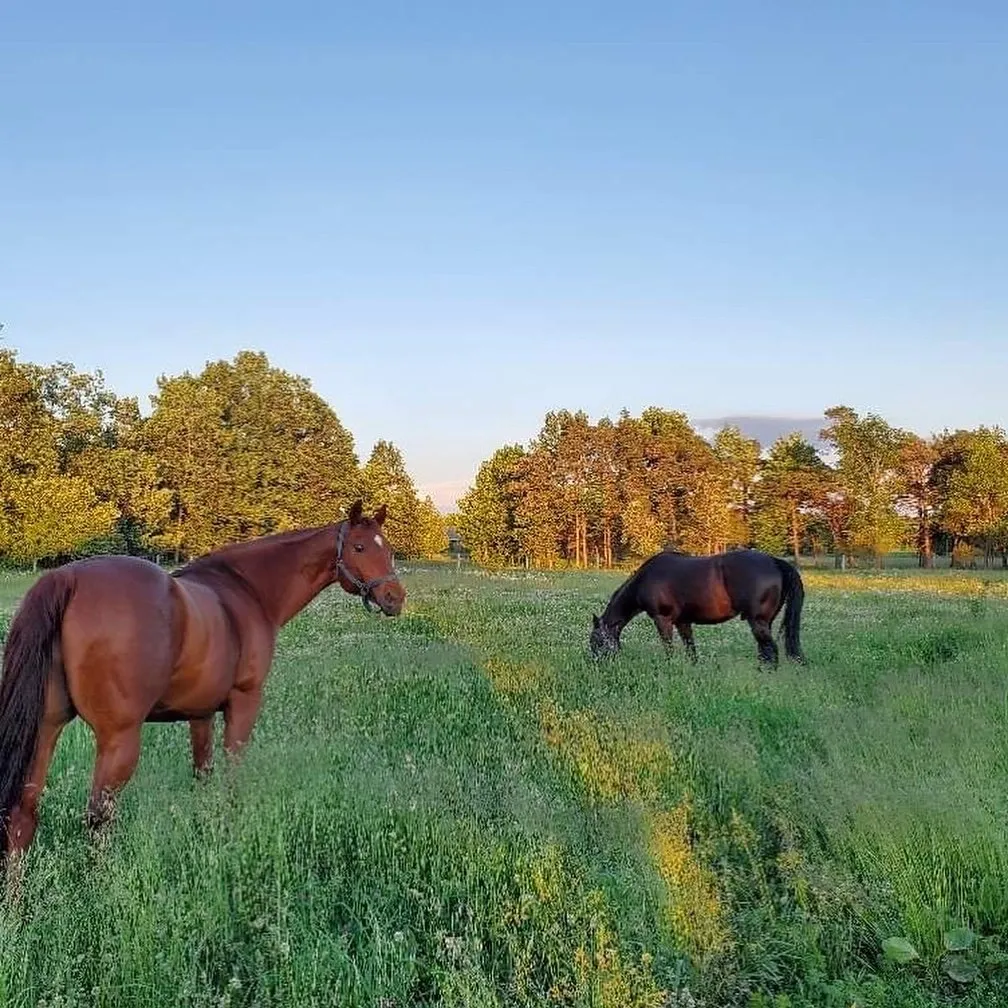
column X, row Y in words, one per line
column 24, row 815
column 764, row 639
column 118, row 755
column 58, row 713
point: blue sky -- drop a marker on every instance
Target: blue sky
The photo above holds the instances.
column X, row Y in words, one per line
column 453, row 221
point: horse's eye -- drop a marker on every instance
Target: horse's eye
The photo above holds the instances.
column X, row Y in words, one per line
column 358, row 547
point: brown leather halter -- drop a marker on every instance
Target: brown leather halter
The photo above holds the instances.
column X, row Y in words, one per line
column 364, row 588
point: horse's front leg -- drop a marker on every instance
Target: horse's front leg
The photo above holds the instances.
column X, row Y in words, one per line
column 201, row 740
column 686, row 633
column 240, row 713
column 666, row 627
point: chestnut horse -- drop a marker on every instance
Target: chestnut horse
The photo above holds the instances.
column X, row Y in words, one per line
column 677, row 590
column 120, row 641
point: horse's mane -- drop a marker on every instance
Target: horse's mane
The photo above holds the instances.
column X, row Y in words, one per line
column 234, row 552
column 217, row 573
column 223, row 567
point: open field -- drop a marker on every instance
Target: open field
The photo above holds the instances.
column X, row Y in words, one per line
column 459, row 807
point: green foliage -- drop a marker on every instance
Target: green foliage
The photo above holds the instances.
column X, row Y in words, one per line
column 243, row 449
column 793, row 482
column 868, row 474
column 239, row 450
column 899, row 950
column 740, row 458
column 976, row 499
column 28, row 433
column 414, row 526
column 433, row 530
column 584, row 494
column 52, row 516
column 247, row 449
column 487, row 513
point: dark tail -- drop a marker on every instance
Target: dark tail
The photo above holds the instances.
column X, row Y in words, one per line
column 793, row 599
column 27, row 661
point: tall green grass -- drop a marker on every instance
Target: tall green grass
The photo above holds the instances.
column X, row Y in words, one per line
column 459, row 807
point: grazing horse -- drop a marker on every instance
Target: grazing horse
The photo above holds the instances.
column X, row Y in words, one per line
column 677, row 590
column 119, row 641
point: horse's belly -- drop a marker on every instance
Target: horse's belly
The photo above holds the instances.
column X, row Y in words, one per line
column 707, row 614
column 192, row 697
column 713, row 605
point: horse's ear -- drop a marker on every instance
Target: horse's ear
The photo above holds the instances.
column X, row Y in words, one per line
column 595, row 621
column 355, row 512
column 379, row 516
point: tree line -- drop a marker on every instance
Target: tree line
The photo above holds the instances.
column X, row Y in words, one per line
column 598, row 494
column 239, row 450
column 245, row 449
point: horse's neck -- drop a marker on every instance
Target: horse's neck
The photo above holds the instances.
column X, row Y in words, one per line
column 288, row 574
column 623, row 605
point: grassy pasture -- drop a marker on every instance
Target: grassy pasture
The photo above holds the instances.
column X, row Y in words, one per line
column 459, row 807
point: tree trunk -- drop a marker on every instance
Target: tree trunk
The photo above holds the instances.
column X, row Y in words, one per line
column 795, row 538
column 925, row 551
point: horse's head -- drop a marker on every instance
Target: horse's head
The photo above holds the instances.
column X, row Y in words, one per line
column 603, row 639
column 365, row 565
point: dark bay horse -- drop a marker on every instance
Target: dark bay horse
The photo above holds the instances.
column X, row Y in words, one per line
column 677, row 590
column 119, row 641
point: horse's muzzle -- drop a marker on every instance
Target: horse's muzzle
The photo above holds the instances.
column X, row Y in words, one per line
column 390, row 598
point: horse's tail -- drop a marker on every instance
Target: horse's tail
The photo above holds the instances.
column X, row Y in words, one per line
column 793, row 598
column 27, row 661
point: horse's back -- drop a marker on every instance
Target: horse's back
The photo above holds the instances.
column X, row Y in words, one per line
column 751, row 563
column 711, row 589
column 684, row 587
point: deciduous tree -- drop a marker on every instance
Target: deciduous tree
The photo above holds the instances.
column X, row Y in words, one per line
column 54, row 516
column 915, row 465
column 868, row 452
column 386, row 481
column 248, row 449
column 792, row 486
column 976, row 499
column 487, row 519
column 740, row 459
column 433, row 530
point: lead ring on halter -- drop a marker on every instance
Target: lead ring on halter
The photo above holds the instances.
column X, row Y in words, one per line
column 364, row 588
